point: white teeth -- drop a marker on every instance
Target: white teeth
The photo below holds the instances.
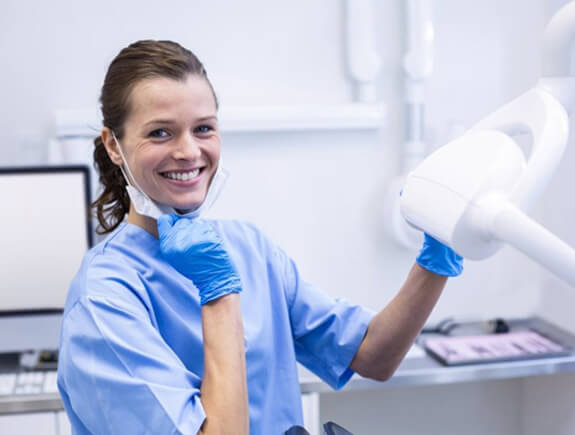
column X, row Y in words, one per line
column 182, row 176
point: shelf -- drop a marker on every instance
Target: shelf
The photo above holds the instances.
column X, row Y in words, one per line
column 253, row 119
column 300, row 118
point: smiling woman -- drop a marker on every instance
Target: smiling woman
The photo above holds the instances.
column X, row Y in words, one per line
column 171, row 144
column 158, row 102
column 154, row 327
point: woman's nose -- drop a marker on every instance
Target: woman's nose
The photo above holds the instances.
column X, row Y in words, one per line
column 187, row 148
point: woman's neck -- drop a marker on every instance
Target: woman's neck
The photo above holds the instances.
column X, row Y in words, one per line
column 147, row 223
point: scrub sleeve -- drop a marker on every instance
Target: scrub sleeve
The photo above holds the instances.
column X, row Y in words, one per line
column 327, row 333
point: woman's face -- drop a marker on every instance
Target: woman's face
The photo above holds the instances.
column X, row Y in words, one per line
column 171, row 140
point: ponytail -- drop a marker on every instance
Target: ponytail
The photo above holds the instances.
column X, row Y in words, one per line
column 113, row 203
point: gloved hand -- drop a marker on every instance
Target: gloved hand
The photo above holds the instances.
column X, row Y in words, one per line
column 438, row 258
column 194, row 249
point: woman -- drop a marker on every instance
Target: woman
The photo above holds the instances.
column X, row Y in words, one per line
column 177, row 324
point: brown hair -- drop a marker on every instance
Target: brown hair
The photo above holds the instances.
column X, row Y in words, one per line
column 139, row 61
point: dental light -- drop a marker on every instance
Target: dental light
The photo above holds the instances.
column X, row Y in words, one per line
column 474, row 192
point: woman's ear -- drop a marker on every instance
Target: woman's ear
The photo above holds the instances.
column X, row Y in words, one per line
column 111, row 146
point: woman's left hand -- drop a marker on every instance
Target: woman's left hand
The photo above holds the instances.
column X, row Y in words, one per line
column 439, row 258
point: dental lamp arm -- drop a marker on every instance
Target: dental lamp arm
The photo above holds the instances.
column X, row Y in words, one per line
column 485, row 184
column 558, row 41
column 558, row 77
column 512, row 226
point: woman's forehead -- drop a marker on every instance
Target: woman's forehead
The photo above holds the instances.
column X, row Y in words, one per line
column 167, row 97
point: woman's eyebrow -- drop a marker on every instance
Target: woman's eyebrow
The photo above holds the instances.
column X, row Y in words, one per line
column 208, row 118
column 159, row 121
column 169, row 121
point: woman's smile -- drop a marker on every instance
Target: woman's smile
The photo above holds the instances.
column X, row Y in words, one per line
column 183, row 178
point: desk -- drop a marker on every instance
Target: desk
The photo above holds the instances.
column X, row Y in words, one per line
column 30, row 403
column 412, row 372
column 427, row 371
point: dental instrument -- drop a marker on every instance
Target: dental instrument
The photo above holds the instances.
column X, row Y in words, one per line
column 473, row 194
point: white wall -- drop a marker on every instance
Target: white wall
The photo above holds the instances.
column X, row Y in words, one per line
column 55, row 54
column 320, row 196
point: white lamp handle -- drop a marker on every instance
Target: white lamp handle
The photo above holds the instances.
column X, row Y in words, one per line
column 513, row 226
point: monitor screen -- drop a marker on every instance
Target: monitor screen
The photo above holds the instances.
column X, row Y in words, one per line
column 44, row 233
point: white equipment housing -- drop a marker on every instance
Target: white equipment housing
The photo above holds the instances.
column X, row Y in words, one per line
column 473, row 193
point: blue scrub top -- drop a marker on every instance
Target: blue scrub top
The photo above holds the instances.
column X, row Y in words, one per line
column 131, row 355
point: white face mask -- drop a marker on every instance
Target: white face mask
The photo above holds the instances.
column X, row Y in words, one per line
column 145, row 206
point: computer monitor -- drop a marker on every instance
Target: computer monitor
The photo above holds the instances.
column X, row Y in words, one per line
column 45, row 230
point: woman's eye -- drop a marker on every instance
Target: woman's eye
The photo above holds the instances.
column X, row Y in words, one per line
column 203, row 129
column 160, row 133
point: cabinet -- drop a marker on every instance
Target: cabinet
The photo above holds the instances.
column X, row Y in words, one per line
column 42, row 423
column 63, row 424
column 38, row 423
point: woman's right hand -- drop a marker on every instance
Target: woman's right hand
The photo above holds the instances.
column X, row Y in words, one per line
column 194, row 249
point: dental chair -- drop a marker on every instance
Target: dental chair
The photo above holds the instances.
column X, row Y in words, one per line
column 329, row 428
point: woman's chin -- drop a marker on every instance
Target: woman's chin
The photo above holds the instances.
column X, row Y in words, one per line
column 186, row 209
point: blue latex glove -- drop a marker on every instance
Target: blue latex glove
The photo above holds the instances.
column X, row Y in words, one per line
column 438, row 258
column 194, row 249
